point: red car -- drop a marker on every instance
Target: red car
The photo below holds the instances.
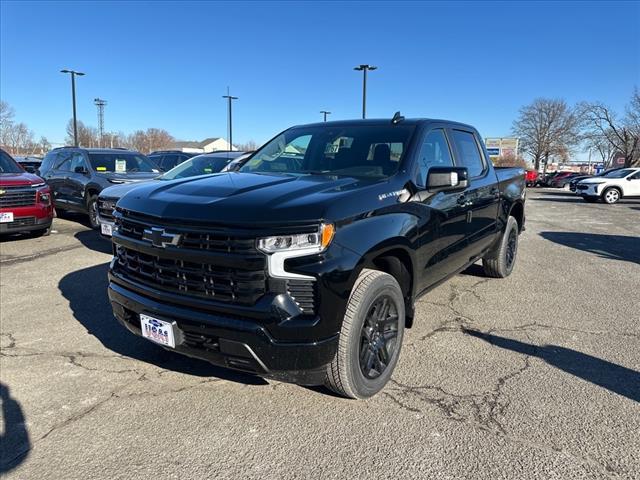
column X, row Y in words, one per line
column 25, row 200
column 531, row 178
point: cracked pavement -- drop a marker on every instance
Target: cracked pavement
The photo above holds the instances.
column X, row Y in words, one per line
column 533, row 376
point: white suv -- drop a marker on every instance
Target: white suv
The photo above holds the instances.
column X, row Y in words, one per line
column 612, row 186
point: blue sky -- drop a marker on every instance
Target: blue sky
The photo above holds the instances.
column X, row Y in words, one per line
column 166, row 64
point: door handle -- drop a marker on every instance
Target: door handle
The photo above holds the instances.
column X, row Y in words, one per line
column 463, row 201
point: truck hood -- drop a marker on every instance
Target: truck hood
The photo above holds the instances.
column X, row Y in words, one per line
column 118, row 191
column 246, row 198
column 19, row 179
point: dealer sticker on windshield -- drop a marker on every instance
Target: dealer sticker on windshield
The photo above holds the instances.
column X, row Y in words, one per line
column 157, row 331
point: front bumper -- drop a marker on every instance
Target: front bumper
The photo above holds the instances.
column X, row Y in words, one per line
column 592, row 190
column 240, row 343
column 28, row 219
column 106, row 226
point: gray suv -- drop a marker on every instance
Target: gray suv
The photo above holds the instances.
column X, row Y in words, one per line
column 78, row 175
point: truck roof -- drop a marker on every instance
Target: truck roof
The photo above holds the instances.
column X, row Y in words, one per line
column 384, row 121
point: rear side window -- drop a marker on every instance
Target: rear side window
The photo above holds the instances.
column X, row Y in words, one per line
column 468, row 152
column 64, row 161
column 434, row 152
column 169, row 161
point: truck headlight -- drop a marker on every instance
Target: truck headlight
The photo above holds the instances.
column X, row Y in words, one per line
column 311, row 242
column 282, row 247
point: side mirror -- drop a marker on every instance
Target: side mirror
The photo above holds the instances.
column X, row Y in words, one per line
column 446, row 179
column 81, row 170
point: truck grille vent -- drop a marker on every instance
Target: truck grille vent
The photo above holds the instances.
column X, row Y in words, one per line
column 202, row 280
column 303, row 293
column 17, row 197
column 210, row 241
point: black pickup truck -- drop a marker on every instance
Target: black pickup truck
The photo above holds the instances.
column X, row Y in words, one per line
column 305, row 265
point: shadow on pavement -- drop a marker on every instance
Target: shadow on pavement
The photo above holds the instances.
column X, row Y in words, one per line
column 613, row 377
column 86, row 291
column 14, row 439
column 94, row 241
column 612, row 247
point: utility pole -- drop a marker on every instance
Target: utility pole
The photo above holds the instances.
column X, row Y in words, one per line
column 589, row 170
column 230, row 98
column 365, row 68
column 325, row 113
column 73, row 101
column 100, row 104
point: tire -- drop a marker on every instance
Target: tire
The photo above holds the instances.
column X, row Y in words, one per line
column 364, row 341
column 92, row 210
column 499, row 262
column 611, row 195
column 590, row 199
column 43, row 232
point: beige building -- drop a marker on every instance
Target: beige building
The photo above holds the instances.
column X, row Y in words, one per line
column 208, row 145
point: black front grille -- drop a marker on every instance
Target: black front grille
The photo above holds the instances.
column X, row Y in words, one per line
column 17, row 197
column 303, row 293
column 193, row 239
column 582, row 187
column 203, row 280
column 105, row 207
column 22, row 222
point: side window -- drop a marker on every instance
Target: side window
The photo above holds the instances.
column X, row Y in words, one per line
column 169, row 161
column 433, row 153
column 63, row 162
column 48, row 162
column 635, row 177
column 468, row 153
column 77, row 160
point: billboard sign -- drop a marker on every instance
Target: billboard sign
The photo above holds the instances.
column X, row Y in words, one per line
column 500, row 147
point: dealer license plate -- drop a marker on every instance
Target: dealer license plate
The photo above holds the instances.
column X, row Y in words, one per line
column 6, row 217
column 106, row 229
column 158, row 331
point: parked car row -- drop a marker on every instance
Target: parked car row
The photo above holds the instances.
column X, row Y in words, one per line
column 611, row 186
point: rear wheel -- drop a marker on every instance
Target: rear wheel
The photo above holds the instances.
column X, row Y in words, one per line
column 499, row 262
column 371, row 337
column 92, row 208
column 611, row 195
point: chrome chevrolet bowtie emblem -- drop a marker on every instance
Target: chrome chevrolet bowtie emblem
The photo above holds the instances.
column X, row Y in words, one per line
column 159, row 238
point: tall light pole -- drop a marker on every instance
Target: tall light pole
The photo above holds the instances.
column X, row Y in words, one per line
column 325, row 113
column 230, row 98
column 365, row 68
column 98, row 102
column 73, row 100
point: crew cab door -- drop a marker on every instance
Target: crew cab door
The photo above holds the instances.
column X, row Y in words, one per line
column 77, row 180
column 56, row 178
column 482, row 197
column 443, row 214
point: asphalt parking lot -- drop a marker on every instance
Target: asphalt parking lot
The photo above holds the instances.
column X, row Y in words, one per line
column 534, row 376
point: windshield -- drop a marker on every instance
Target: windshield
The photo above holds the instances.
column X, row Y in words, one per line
column 200, row 165
column 619, row 173
column 121, row 162
column 372, row 151
column 7, row 165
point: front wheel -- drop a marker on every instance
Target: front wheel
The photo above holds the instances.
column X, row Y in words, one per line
column 92, row 208
column 499, row 262
column 611, row 195
column 370, row 338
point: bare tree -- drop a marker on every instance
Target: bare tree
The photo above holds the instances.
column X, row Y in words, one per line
column 6, row 122
column 547, row 128
column 510, row 160
column 150, row 140
column 87, row 136
column 248, row 146
column 622, row 135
